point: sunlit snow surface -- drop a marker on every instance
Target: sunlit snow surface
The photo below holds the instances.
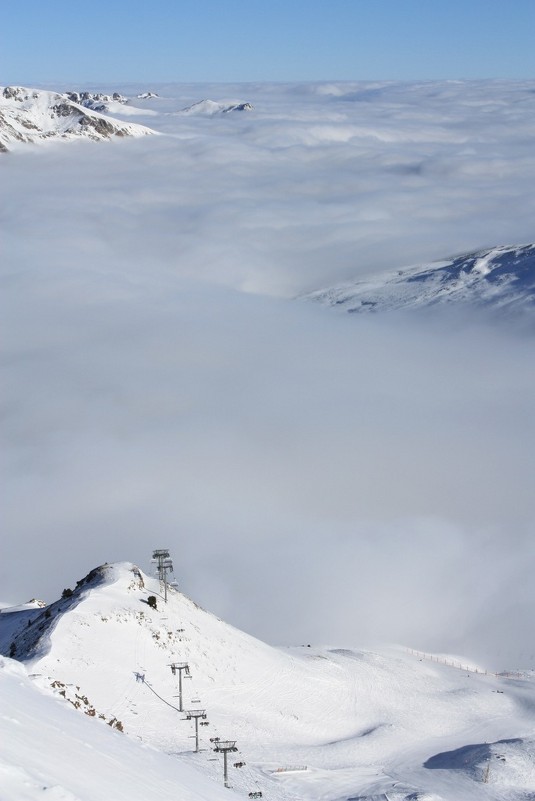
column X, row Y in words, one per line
column 352, row 723
column 37, row 116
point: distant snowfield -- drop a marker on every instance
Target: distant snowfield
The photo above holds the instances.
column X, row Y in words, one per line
column 309, row 722
column 323, row 479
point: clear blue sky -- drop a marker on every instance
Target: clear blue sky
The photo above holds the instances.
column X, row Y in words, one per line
column 264, row 40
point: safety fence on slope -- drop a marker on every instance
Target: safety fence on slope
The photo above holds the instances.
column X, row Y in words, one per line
column 442, row 660
column 290, row 769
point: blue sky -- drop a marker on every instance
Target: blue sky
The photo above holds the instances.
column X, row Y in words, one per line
column 256, row 40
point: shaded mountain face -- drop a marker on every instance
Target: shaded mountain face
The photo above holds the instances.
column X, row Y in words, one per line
column 501, row 278
column 32, row 115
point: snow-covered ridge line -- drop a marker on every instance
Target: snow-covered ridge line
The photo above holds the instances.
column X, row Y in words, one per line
column 35, row 115
column 500, row 278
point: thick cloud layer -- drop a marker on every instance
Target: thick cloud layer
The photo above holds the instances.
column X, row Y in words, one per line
column 316, row 477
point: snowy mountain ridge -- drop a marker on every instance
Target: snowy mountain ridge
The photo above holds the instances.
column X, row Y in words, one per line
column 309, row 722
column 208, row 108
column 500, row 278
column 35, row 115
column 96, row 100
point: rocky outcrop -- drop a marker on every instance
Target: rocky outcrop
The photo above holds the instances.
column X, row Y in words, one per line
column 96, row 101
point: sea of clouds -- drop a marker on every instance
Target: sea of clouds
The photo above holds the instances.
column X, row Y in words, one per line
column 317, row 477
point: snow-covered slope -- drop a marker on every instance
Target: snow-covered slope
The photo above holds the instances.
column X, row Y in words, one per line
column 501, row 278
column 33, row 115
column 51, row 752
column 352, row 723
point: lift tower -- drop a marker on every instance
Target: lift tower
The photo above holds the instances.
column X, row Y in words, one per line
column 163, row 566
column 225, row 747
column 178, row 667
column 196, row 714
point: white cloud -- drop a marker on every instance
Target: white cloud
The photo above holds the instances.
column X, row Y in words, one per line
column 315, row 477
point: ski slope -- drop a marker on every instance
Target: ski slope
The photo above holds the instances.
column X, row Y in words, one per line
column 50, row 751
column 309, row 722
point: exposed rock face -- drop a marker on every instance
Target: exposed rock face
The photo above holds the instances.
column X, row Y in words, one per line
column 30, row 115
column 19, row 93
column 101, row 126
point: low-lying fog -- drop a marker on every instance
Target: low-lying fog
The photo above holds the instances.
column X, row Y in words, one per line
column 317, row 477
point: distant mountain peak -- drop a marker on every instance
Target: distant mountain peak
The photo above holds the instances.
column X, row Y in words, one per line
column 210, row 107
column 500, row 278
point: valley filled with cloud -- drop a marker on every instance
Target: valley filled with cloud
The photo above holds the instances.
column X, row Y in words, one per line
column 319, row 477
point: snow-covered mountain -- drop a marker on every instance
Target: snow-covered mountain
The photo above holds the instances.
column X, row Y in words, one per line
column 309, row 722
column 500, row 278
column 97, row 101
column 208, row 108
column 34, row 115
